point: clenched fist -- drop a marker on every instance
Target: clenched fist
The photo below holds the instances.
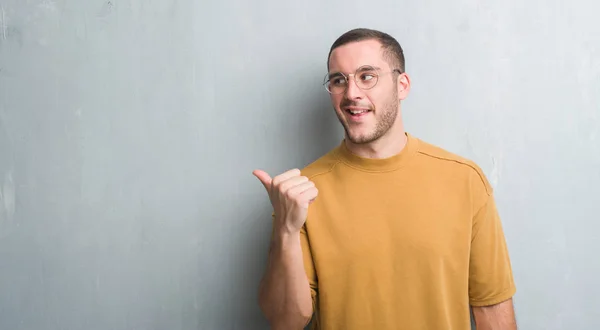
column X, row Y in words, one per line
column 290, row 195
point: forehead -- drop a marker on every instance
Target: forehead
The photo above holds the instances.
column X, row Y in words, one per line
column 349, row 57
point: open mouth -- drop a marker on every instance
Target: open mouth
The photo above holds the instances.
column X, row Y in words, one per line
column 357, row 112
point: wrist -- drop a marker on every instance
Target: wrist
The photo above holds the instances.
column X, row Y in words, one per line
column 286, row 236
column 283, row 228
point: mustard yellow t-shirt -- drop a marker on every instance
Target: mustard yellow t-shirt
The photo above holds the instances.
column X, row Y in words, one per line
column 408, row 242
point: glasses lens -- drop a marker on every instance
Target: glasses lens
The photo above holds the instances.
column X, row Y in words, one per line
column 335, row 83
column 366, row 78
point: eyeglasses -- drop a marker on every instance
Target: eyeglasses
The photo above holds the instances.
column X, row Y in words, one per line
column 337, row 82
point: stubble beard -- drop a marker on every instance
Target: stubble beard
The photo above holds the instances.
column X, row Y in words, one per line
column 384, row 122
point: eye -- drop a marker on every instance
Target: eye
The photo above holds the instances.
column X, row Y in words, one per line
column 366, row 76
column 337, row 81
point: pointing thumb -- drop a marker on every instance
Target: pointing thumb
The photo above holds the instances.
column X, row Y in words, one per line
column 264, row 178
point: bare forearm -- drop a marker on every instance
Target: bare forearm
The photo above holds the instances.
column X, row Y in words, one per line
column 285, row 293
column 496, row 317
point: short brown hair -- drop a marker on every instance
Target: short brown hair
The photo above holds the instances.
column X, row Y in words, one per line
column 392, row 51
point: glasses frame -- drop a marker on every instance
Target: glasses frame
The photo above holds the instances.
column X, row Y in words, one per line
column 352, row 76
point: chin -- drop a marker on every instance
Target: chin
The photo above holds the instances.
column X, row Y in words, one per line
column 361, row 138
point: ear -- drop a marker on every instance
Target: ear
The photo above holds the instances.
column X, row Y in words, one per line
column 403, row 85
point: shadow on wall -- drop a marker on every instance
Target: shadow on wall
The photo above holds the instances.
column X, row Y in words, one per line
column 328, row 131
column 320, row 129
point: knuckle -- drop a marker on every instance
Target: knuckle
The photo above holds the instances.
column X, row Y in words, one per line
column 276, row 181
column 289, row 194
column 285, row 187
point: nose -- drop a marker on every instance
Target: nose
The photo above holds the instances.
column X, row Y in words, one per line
column 352, row 90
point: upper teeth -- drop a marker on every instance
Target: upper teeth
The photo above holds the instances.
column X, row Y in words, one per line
column 355, row 112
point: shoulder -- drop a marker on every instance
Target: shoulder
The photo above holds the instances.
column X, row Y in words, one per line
column 453, row 164
column 322, row 165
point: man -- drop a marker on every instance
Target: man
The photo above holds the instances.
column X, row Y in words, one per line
column 402, row 235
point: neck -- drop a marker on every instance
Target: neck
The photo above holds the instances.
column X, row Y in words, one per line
column 386, row 146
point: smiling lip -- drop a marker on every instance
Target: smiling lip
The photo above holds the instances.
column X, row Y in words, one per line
column 356, row 113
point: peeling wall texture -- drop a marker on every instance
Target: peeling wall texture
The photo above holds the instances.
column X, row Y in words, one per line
column 129, row 130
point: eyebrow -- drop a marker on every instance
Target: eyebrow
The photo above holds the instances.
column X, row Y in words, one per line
column 369, row 67
column 363, row 68
column 333, row 75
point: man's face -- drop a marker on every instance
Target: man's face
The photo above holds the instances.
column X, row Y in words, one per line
column 366, row 114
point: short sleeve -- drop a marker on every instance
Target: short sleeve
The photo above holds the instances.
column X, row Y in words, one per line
column 490, row 272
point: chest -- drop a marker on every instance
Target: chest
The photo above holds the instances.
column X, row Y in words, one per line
column 358, row 227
